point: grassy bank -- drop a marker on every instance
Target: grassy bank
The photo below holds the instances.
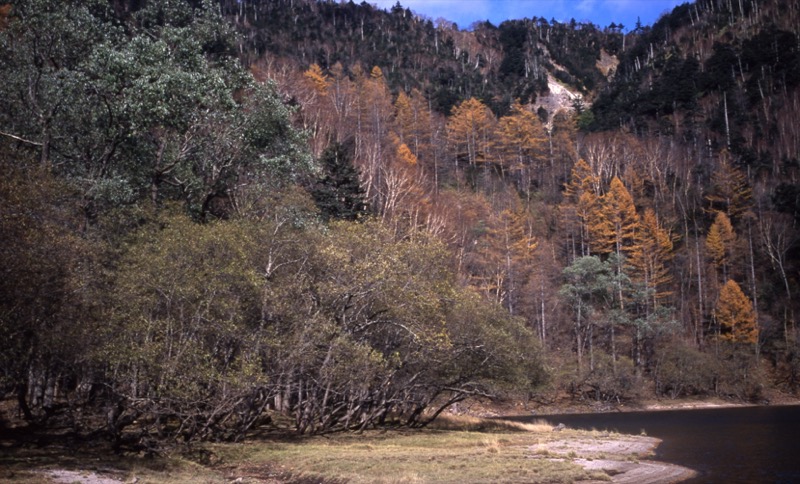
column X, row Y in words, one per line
column 462, row 449
column 475, row 453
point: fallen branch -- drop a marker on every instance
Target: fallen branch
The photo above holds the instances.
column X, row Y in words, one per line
column 9, row 135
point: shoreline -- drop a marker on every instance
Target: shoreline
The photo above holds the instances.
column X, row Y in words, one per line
column 520, row 409
column 624, row 467
column 604, row 456
column 626, row 459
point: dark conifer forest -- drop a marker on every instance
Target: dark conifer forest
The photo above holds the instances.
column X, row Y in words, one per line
column 217, row 213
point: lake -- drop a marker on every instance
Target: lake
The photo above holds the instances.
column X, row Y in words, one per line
column 724, row 445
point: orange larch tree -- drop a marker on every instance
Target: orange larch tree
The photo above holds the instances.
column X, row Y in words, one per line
column 613, row 222
column 520, row 141
column 613, row 228
column 403, row 192
column 720, row 244
column 735, row 315
column 470, row 129
column 504, row 255
column 371, row 119
column 581, row 195
column 413, row 123
column 404, row 117
column 319, row 80
column 653, row 252
column 312, row 94
column 729, row 192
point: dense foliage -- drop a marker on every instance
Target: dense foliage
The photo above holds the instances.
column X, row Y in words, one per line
column 167, row 272
column 218, row 213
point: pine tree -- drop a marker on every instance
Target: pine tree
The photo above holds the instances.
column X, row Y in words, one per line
column 735, row 315
column 339, row 194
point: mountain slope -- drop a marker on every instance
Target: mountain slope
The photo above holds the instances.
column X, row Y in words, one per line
column 495, row 64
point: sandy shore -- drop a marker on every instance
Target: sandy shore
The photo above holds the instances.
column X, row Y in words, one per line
column 623, row 457
column 65, row 476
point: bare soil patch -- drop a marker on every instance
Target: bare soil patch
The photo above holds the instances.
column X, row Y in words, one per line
column 622, row 457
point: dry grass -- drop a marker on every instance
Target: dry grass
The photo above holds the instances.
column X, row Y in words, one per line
column 441, row 457
column 475, row 424
column 454, row 450
column 31, row 465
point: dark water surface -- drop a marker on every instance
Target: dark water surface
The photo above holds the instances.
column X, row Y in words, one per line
column 727, row 445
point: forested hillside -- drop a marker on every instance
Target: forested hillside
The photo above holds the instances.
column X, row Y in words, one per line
column 216, row 213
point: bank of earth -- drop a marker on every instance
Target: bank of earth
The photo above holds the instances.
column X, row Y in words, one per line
column 457, row 449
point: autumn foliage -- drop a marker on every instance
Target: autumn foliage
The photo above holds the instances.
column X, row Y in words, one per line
column 353, row 218
column 735, row 316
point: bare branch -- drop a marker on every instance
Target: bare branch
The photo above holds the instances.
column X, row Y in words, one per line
column 9, row 135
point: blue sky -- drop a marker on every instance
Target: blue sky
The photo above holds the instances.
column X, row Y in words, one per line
column 599, row 12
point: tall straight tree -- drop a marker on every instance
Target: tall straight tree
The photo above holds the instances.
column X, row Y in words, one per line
column 505, row 253
column 612, row 229
column 651, row 257
column 582, row 195
column 729, row 191
column 615, row 222
column 469, row 130
column 520, row 142
column 585, row 289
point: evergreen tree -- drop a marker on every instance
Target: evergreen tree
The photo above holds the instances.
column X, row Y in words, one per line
column 339, row 194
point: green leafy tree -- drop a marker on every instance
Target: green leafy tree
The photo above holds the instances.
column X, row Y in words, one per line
column 50, row 292
column 380, row 329
column 159, row 110
column 183, row 340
